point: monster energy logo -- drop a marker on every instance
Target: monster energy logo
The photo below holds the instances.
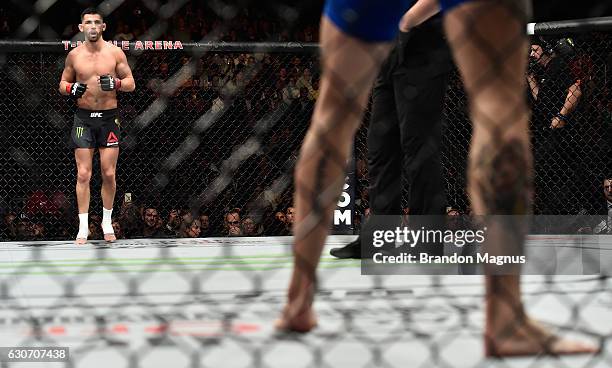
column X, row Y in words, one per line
column 79, row 132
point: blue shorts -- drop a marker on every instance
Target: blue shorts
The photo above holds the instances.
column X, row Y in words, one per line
column 446, row 5
column 370, row 20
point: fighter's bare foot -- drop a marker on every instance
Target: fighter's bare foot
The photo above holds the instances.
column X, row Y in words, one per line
column 293, row 321
column 298, row 314
column 80, row 241
column 302, row 321
column 110, row 238
column 531, row 338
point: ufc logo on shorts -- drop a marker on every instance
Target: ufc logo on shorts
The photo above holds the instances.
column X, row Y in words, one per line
column 95, row 115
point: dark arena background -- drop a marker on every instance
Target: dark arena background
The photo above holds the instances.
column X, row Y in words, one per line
column 224, row 95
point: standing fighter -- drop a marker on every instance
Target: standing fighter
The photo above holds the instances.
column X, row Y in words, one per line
column 490, row 48
column 93, row 73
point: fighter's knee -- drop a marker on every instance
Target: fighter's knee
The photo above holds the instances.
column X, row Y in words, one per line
column 108, row 175
column 84, row 176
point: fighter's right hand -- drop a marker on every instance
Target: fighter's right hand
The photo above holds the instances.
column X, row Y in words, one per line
column 76, row 89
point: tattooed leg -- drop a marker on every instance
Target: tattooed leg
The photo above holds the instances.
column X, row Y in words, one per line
column 349, row 68
column 490, row 48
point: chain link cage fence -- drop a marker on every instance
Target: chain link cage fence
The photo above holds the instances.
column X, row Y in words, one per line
column 221, row 130
column 213, row 127
column 571, row 163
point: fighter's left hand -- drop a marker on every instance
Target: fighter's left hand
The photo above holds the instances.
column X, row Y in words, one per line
column 109, row 83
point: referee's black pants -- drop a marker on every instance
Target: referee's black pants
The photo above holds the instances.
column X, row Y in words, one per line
column 405, row 133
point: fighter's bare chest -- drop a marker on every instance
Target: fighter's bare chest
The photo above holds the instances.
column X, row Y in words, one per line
column 94, row 64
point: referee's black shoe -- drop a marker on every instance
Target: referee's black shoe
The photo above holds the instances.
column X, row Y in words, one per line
column 351, row 250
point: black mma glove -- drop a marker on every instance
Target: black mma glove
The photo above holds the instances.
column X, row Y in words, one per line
column 109, row 83
column 76, row 89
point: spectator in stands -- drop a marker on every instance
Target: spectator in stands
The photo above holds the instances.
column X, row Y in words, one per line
column 305, row 80
column 117, row 229
column 163, row 71
column 289, row 219
column 190, row 226
column 295, row 69
column 8, row 226
column 173, row 223
column 205, row 229
column 290, row 91
column 249, row 227
column 95, row 225
column 227, row 67
column 239, row 60
column 38, row 231
column 605, row 226
column 314, row 93
column 305, row 103
column 131, row 220
column 232, row 223
column 277, row 225
column 251, row 61
column 283, row 76
column 216, row 82
column 152, row 227
column 275, row 100
column 280, row 217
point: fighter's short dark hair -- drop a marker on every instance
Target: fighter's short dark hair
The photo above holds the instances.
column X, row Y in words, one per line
column 91, row 10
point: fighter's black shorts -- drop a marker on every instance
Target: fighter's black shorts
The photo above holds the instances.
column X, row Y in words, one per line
column 96, row 129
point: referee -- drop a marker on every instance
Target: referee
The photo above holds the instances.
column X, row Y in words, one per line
column 406, row 129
